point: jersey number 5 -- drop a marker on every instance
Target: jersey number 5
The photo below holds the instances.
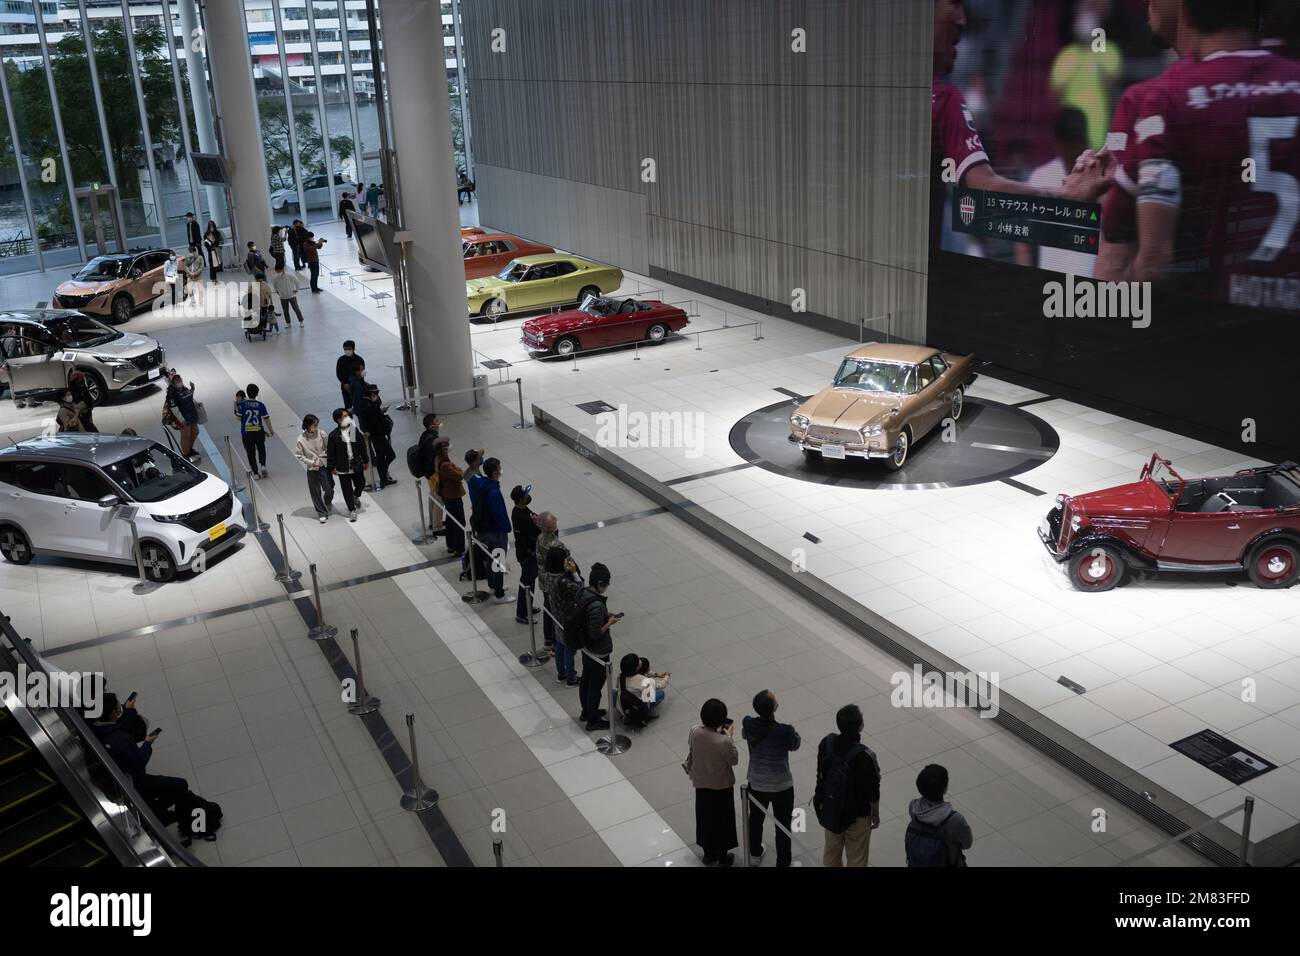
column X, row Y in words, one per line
column 1263, row 130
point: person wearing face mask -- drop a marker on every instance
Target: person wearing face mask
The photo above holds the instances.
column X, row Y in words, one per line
column 449, row 484
column 310, row 449
column 344, row 367
column 1087, row 70
column 68, row 417
column 345, row 453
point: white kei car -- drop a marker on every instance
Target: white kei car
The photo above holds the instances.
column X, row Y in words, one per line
column 70, row 495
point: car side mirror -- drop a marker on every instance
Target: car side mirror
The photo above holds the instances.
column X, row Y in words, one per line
column 136, row 273
column 109, row 501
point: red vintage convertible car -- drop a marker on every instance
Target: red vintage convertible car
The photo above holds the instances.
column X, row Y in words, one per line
column 601, row 322
column 1163, row 522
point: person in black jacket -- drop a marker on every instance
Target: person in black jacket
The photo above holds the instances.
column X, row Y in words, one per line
column 297, row 233
column 193, row 235
column 597, row 646
column 114, row 731
column 862, row 802
column 344, row 367
column 379, row 429
column 346, row 205
column 345, row 455
column 524, row 524
column 81, row 395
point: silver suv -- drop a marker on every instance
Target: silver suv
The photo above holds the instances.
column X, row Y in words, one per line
column 40, row 348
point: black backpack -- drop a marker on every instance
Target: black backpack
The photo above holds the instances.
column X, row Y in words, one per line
column 833, row 798
column 575, row 625
column 196, row 817
column 413, row 460
column 926, row 844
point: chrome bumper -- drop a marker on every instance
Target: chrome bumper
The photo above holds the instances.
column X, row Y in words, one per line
column 850, row 451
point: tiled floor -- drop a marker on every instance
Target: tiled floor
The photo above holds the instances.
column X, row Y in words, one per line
column 253, row 715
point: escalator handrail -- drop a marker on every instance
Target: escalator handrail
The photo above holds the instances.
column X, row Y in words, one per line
column 91, row 742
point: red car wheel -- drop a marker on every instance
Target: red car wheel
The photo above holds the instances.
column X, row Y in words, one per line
column 1274, row 564
column 1098, row 568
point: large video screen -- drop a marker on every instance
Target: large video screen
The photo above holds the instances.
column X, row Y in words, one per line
column 1115, row 196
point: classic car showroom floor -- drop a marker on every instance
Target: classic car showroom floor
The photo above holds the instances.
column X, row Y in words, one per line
column 946, row 557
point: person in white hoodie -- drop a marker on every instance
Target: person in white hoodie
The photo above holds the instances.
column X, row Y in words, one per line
column 937, row 834
column 286, row 287
column 310, row 450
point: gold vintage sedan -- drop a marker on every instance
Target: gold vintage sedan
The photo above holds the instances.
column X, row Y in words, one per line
column 885, row 398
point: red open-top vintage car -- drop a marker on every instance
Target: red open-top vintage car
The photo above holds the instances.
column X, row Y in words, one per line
column 1164, row 522
column 602, row 322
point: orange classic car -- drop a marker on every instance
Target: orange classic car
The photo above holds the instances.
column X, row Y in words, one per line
column 488, row 253
column 884, row 399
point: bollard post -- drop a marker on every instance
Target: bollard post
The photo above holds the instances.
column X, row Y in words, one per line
column 744, row 823
column 144, row 585
column 374, row 486
column 636, row 351
column 496, row 852
column 258, row 523
column 532, row 659
column 523, row 423
column 575, row 361
column 1243, row 855
column 424, row 525
column 230, row 464
column 474, row 596
column 320, row 630
column 364, row 704
column 698, row 346
column 287, row 574
column 418, row 798
column 612, row 743
column 758, row 334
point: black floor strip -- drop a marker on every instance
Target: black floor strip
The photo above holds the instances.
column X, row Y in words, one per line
column 1030, row 489
column 435, row 824
column 709, row 474
column 795, row 395
column 1034, row 401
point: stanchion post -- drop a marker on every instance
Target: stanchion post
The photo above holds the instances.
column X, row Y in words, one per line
column 636, row 351
column 523, row 422
column 698, row 346
column 230, row 463
column 364, row 704
column 758, row 335
column 532, row 659
column 370, row 464
column 287, row 574
column 575, row 361
column 612, row 743
column 418, row 798
column 423, row 537
column 144, row 585
column 258, row 523
column 1243, row 856
column 744, row 823
column 320, row 630
column 496, row 852
column 473, row 596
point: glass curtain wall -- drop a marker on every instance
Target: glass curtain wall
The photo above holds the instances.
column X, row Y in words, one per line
column 17, row 251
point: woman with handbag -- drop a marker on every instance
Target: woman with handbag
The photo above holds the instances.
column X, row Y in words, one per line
column 709, row 764
column 212, row 242
column 183, row 413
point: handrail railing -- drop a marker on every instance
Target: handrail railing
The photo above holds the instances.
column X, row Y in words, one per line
column 111, row 818
column 1247, row 808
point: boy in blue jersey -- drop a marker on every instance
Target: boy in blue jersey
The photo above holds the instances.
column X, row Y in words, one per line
column 254, row 426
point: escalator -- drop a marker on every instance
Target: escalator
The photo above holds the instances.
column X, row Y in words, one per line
column 40, row 824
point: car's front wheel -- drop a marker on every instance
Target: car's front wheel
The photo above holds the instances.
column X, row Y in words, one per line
column 1274, row 564
column 957, row 404
column 1098, row 568
column 159, row 565
column 566, row 346
column 14, row 546
column 902, row 448
column 657, row 332
column 589, row 290
column 122, row 309
column 95, row 387
column 495, row 308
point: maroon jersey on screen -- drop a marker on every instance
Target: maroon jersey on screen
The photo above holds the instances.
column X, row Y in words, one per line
column 1237, row 236
column 953, row 136
column 1119, row 207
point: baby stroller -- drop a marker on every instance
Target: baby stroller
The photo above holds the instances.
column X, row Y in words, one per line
column 258, row 319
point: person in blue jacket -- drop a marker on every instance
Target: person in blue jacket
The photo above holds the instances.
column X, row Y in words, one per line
column 492, row 524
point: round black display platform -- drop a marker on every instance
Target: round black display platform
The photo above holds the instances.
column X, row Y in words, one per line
column 993, row 442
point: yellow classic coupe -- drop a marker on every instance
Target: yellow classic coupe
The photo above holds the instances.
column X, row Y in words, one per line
column 537, row 282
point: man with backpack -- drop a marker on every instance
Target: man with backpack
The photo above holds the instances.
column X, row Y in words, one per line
column 491, row 523
column 937, row 834
column 847, row 798
column 587, row 630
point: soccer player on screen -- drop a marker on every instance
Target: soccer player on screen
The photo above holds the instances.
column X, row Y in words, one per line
column 1219, row 164
column 956, row 149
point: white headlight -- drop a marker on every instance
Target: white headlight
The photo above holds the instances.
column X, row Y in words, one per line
column 800, row 421
column 871, row 431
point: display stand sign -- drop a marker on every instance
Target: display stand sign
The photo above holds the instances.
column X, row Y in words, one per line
column 1229, row 760
column 597, row 408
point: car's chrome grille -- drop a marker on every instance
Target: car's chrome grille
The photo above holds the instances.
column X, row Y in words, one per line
column 843, row 436
column 146, row 362
column 73, row 301
column 1067, row 512
column 204, row 518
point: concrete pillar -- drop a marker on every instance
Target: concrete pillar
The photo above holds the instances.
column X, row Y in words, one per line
column 232, row 78
column 416, row 89
column 204, row 128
